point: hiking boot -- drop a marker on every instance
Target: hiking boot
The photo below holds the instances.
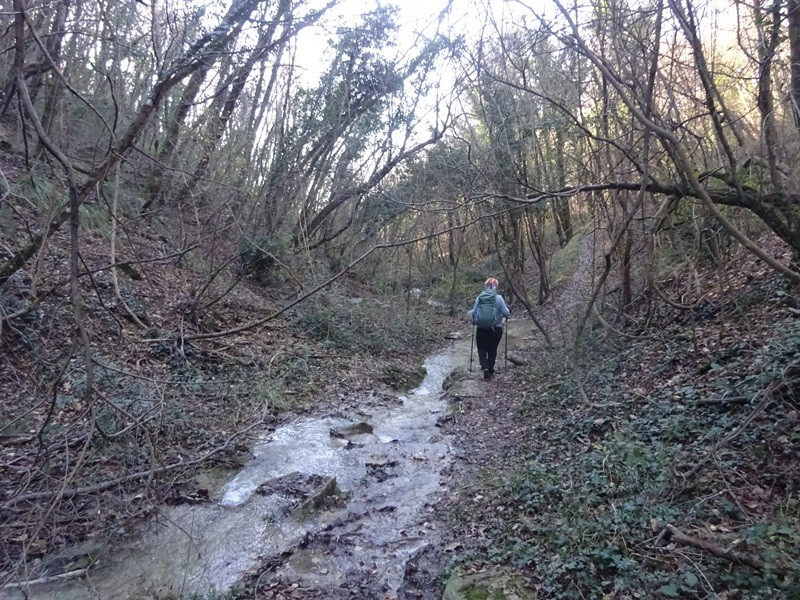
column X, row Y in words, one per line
column 487, row 374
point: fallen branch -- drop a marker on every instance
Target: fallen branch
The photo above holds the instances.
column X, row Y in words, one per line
column 619, row 332
column 24, row 584
column 576, row 376
column 671, row 532
column 725, row 401
column 518, row 362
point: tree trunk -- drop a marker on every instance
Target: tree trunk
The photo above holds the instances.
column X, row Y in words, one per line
column 793, row 15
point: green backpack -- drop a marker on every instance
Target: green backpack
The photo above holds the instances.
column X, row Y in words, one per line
column 484, row 314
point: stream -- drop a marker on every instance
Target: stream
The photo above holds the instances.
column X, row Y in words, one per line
column 272, row 516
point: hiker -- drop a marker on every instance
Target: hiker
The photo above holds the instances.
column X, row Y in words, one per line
column 487, row 316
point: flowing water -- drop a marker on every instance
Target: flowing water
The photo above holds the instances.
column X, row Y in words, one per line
column 388, row 480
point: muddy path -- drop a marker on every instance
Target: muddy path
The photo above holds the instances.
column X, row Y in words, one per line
column 336, row 505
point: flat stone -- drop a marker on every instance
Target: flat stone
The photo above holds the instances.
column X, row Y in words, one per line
column 347, row 431
column 313, row 503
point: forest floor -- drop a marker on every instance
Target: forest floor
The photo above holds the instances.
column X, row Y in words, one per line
column 676, row 476
column 664, row 461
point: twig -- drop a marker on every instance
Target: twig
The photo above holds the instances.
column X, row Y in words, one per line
column 271, row 317
column 576, row 376
column 619, row 332
column 113, row 250
column 516, row 361
column 760, row 407
column 661, row 294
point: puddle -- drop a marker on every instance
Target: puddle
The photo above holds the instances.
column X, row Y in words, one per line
column 389, row 476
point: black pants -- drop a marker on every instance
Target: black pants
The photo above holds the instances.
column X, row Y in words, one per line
column 488, row 340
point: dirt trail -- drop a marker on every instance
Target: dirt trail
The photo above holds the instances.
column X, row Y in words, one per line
column 559, row 312
column 487, row 433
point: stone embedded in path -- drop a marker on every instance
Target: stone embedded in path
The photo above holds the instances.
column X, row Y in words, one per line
column 347, row 431
column 305, row 493
column 323, row 491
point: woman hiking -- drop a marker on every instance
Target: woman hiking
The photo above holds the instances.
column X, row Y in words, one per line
column 487, row 317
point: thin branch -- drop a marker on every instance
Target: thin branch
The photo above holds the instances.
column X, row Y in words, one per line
column 768, row 397
column 323, row 285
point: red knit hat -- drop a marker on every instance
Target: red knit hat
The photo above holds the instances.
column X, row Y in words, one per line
column 491, row 281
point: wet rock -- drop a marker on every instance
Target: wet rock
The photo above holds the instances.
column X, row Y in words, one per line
column 445, row 419
column 497, row 584
column 453, row 378
column 348, row 431
column 403, row 379
column 187, row 496
column 317, row 498
column 304, row 493
column 379, row 461
column 380, row 468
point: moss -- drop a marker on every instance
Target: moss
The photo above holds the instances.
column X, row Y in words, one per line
column 402, row 379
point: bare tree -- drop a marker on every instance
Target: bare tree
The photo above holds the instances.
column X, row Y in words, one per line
column 195, row 57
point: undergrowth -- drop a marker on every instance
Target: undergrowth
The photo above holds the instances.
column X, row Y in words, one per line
column 366, row 324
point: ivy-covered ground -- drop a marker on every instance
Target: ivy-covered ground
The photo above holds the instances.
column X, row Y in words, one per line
column 678, row 479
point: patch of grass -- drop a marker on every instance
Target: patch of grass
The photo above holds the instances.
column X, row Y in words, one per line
column 475, row 593
column 271, row 394
column 563, row 260
column 39, row 191
column 95, row 218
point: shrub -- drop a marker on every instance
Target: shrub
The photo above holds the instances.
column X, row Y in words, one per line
column 258, row 257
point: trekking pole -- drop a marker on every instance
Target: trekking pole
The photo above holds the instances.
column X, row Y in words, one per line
column 506, row 367
column 471, row 348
